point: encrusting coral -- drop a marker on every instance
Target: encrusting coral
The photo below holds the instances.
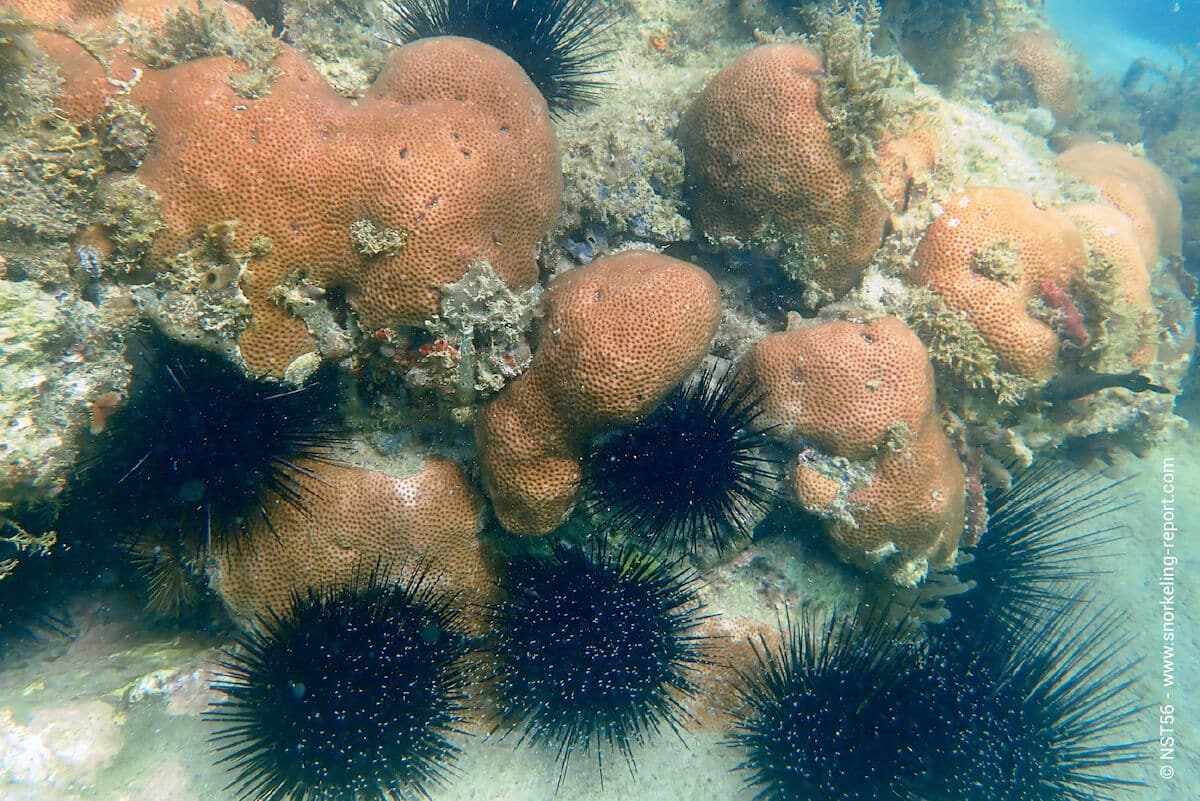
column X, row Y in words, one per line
column 1040, row 58
column 452, row 151
column 615, row 337
column 355, row 522
column 875, row 464
column 990, row 254
column 767, row 168
column 1137, row 187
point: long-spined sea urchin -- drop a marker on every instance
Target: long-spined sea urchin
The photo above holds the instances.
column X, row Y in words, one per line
column 596, row 650
column 556, row 42
column 198, row 448
column 695, row 471
column 353, row 694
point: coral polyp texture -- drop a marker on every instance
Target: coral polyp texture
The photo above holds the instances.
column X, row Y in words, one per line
column 766, row 169
column 360, row 520
column 1040, row 58
column 1136, row 187
column 615, row 337
column 625, row 329
column 990, row 254
column 449, row 159
column 858, row 401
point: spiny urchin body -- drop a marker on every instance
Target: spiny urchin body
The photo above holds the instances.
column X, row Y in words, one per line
column 31, row 589
column 595, row 650
column 198, row 449
column 856, row 710
column 556, row 42
column 1041, row 532
column 172, row 573
column 1040, row 714
column 693, row 472
column 354, row 694
column 828, row 714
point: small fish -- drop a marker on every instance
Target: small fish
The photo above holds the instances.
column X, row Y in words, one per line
column 1070, row 386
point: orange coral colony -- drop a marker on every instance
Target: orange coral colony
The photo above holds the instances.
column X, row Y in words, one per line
column 875, row 465
column 989, row 254
column 355, row 521
column 760, row 153
column 616, row 336
column 1040, row 56
column 451, row 158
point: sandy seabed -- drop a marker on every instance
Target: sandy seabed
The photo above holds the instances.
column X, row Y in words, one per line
column 115, row 713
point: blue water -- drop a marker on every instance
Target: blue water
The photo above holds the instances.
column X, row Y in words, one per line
column 1111, row 34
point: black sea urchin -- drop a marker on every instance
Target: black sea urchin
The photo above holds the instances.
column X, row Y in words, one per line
column 198, row 448
column 1039, row 714
column 31, row 590
column 556, row 42
column 354, row 694
column 595, row 650
column 693, row 471
column 1041, row 531
column 829, row 714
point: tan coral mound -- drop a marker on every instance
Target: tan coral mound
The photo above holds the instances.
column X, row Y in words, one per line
column 1135, row 186
column 615, row 337
column 103, row 12
column 357, row 520
column 990, row 254
column 875, row 465
column 1040, row 56
column 452, row 158
column 761, row 155
column 1119, row 275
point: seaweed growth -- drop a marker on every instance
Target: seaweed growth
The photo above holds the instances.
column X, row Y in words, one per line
column 31, row 597
column 865, row 96
column 186, row 36
column 959, row 352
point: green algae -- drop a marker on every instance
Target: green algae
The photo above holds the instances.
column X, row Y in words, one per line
column 340, row 38
column 372, row 240
column 999, row 262
column 125, row 134
column 186, row 36
column 866, row 97
column 959, row 353
column 624, row 172
column 198, row 297
column 131, row 214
